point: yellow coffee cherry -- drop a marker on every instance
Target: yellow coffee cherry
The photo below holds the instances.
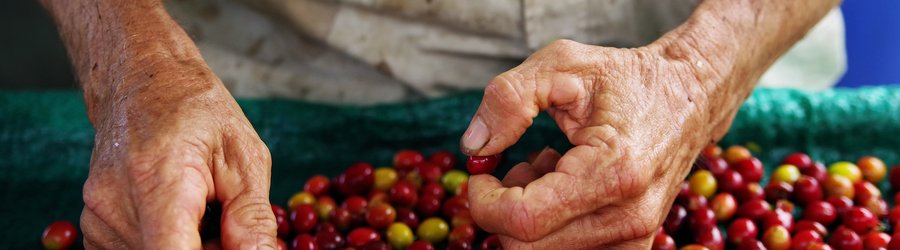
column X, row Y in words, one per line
column 846, row 169
column 385, row 177
column 786, row 173
column 702, row 183
column 301, row 198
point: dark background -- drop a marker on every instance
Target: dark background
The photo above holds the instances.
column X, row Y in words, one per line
column 32, row 56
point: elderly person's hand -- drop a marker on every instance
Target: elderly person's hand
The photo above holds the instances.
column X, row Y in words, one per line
column 635, row 127
column 162, row 153
column 636, row 117
column 169, row 136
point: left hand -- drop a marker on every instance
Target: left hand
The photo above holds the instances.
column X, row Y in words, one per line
column 165, row 149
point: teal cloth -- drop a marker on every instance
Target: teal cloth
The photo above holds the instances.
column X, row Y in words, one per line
column 46, row 140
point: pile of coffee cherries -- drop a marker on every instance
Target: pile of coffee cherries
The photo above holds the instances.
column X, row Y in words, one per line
column 420, row 203
column 804, row 205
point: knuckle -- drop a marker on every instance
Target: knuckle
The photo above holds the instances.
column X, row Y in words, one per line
column 263, row 154
column 87, row 224
column 508, row 95
column 565, row 49
column 100, row 196
column 91, row 194
column 97, row 234
column 254, row 214
column 563, row 44
column 503, row 86
column 249, row 149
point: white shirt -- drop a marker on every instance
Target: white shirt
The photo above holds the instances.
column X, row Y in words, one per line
column 371, row 51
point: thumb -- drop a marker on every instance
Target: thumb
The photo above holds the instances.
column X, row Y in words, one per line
column 243, row 187
column 512, row 101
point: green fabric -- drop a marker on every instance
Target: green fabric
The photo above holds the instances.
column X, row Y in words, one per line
column 46, row 140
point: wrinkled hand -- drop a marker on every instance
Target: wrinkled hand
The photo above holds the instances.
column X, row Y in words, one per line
column 635, row 128
column 165, row 149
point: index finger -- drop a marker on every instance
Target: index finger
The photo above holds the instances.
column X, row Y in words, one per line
column 514, row 98
column 242, row 184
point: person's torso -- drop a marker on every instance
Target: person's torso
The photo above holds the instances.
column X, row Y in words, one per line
column 428, row 48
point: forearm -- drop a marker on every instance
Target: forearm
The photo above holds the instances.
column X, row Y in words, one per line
column 730, row 44
column 116, row 46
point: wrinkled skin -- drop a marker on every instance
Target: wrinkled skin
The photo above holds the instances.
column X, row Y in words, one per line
column 161, row 156
column 624, row 110
column 636, row 118
column 170, row 138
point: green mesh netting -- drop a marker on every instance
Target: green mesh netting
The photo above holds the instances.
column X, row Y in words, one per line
column 46, row 140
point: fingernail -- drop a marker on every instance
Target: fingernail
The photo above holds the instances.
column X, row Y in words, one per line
column 476, row 136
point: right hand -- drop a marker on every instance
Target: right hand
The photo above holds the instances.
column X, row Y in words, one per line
column 164, row 148
column 636, row 125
